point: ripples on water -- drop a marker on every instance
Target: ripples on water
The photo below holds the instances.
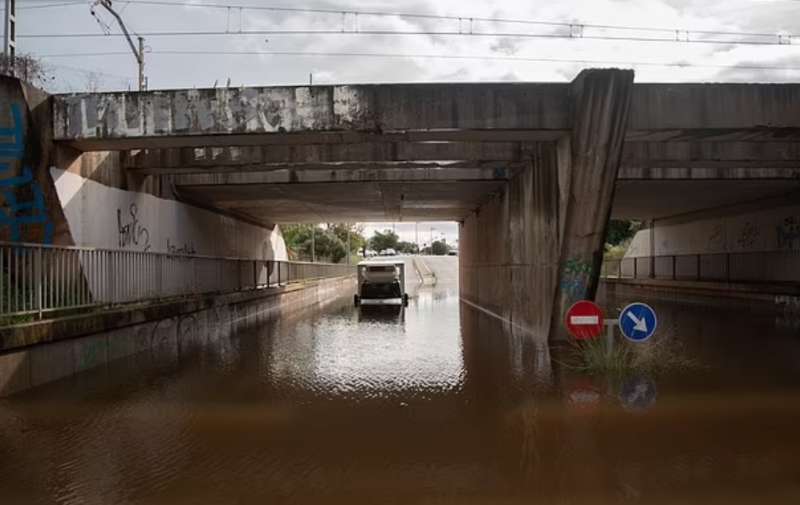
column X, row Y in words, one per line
column 433, row 404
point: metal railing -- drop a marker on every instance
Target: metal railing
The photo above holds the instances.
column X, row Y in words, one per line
column 766, row 266
column 35, row 278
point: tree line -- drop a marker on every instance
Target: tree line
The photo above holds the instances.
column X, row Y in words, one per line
column 330, row 242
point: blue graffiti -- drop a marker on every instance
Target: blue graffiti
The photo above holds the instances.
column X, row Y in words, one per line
column 574, row 278
column 15, row 214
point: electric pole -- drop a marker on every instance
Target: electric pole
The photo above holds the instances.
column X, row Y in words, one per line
column 313, row 244
column 348, row 243
column 10, row 34
column 137, row 53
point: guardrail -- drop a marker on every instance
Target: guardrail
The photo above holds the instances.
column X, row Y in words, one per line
column 35, row 278
column 768, row 266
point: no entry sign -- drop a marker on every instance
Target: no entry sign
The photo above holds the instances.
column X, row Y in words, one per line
column 584, row 320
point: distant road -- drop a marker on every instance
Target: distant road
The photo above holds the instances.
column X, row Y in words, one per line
column 445, row 268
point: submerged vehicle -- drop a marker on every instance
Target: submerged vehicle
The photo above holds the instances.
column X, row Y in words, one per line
column 381, row 284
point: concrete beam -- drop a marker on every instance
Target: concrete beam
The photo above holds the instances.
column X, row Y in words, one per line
column 724, row 112
column 784, row 154
column 279, row 110
column 718, row 173
column 414, row 112
column 379, row 152
column 339, row 167
column 434, row 173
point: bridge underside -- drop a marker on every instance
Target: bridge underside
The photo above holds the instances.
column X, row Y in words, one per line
column 530, row 170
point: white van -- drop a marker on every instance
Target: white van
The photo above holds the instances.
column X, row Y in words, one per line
column 381, row 284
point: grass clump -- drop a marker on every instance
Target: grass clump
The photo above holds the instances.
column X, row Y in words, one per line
column 594, row 357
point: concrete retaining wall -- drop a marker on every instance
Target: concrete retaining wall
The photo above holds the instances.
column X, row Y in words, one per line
column 176, row 329
column 110, row 218
column 766, row 225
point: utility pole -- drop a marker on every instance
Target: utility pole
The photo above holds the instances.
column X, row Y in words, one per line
column 313, row 244
column 140, row 60
column 416, row 235
column 138, row 54
column 10, row 34
column 348, row 243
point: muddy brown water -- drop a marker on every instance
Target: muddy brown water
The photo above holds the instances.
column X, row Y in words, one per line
column 437, row 404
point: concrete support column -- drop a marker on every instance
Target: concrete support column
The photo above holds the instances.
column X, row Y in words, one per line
column 537, row 247
column 601, row 100
column 29, row 207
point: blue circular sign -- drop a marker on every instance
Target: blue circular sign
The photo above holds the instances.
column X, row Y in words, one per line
column 638, row 322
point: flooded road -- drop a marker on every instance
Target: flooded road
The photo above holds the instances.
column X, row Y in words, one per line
column 434, row 404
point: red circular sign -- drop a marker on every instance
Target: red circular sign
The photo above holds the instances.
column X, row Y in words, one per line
column 584, row 320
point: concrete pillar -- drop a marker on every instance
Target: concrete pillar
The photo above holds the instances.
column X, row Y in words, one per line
column 537, row 247
column 29, row 207
column 602, row 101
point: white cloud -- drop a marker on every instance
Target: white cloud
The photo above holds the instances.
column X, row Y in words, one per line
column 170, row 71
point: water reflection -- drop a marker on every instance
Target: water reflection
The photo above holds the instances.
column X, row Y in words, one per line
column 438, row 403
column 386, row 314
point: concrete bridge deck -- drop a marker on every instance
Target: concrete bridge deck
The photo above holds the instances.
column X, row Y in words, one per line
column 428, row 151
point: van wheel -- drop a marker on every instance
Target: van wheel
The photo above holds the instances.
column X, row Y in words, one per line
column 356, row 300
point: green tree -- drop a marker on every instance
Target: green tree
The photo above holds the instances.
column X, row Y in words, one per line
column 439, row 248
column 620, row 230
column 386, row 240
column 326, row 243
column 357, row 240
column 407, row 247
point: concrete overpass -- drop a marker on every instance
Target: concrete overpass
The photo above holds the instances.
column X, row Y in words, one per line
column 529, row 169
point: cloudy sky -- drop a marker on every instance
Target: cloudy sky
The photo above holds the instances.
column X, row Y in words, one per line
column 502, row 52
column 506, row 40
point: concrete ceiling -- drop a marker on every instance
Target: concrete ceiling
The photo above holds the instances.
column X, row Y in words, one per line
column 350, row 201
column 648, row 199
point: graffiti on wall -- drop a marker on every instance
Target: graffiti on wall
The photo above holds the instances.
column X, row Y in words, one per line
column 130, row 231
column 575, row 278
column 789, row 233
column 186, row 248
column 748, row 236
column 24, row 204
column 716, row 240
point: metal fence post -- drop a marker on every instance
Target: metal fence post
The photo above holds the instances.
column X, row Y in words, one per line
column 38, row 275
column 698, row 267
column 728, row 267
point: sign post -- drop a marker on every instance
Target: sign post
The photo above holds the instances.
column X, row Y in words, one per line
column 610, row 323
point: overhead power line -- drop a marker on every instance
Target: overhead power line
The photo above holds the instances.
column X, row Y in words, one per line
column 778, row 41
column 461, row 18
column 466, row 27
column 51, row 5
column 434, row 56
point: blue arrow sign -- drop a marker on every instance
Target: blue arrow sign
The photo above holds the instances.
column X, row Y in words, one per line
column 638, row 322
